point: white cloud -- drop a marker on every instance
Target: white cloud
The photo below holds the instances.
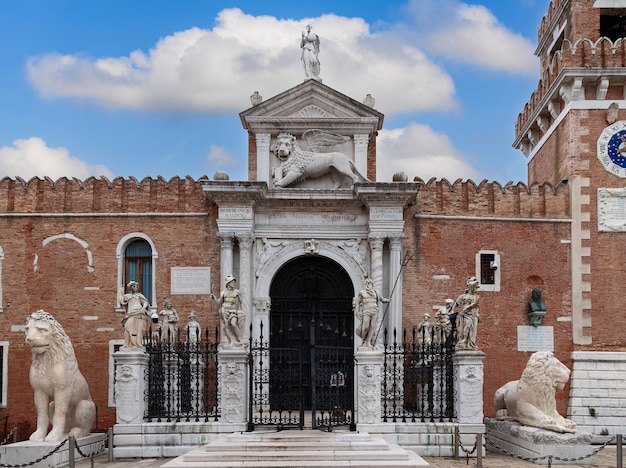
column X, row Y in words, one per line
column 471, row 34
column 217, row 70
column 418, row 151
column 31, row 157
column 220, row 159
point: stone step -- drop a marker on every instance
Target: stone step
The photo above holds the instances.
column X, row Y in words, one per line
column 303, row 449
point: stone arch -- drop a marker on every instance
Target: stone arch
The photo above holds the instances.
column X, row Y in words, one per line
column 81, row 242
column 294, row 249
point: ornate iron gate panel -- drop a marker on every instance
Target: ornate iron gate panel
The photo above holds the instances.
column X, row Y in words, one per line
column 333, row 389
column 276, row 396
column 305, row 365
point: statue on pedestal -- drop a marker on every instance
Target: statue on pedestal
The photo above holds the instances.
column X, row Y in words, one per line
column 168, row 323
column 310, row 45
column 467, row 319
column 135, row 321
column 232, row 317
column 366, row 310
column 193, row 329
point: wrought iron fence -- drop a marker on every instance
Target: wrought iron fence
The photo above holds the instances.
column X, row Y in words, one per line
column 418, row 377
column 182, row 378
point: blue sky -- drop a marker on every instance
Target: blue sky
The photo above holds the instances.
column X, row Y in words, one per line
column 149, row 88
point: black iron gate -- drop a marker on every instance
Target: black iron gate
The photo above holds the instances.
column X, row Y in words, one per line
column 302, row 364
column 287, row 385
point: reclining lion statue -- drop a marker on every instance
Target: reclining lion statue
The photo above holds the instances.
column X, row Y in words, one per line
column 62, row 397
column 299, row 165
column 531, row 399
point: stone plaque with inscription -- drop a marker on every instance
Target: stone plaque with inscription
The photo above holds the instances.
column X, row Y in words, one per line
column 612, row 209
column 533, row 339
column 191, row 280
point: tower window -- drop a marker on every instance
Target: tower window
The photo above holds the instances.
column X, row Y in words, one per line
column 613, row 26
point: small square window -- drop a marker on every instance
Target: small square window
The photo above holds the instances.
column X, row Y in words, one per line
column 488, row 270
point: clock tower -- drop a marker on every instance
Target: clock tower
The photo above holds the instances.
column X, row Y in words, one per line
column 573, row 132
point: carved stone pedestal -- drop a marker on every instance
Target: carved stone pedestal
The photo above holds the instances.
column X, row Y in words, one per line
column 468, row 387
column 369, row 363
column 130, row 386
column 537, row 445
column 233, row 373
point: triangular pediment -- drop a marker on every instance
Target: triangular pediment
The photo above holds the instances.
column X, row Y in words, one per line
column 308, row 103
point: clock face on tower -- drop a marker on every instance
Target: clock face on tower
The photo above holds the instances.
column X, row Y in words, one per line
column 612, row 148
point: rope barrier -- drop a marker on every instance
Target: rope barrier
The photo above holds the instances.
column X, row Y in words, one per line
column 90, row 456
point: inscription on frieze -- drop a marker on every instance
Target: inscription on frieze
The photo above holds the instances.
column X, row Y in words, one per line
column 235, row 213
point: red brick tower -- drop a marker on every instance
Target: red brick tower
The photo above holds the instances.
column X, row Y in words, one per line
column 573, row 130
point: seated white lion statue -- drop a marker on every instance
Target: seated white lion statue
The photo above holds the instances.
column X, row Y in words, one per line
column 531, row 399
column 62, row 397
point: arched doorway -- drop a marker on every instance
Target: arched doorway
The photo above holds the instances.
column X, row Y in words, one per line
column 311, row 344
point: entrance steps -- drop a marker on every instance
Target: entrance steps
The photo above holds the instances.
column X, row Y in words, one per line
column 296, row 448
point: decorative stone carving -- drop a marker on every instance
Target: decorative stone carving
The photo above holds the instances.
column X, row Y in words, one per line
column 233, row 382
column 424, row 331
column 531, row 399
column 369, row 394
column 136, row 319
column 128, row 407
column 62, row 395
column 267, row 249
column 311, row 247
column 298, row 165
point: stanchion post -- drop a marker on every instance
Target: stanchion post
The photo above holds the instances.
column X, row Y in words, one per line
column 72, row 458
column 110, row 444
column 456, row 442
column 619, row 451
column 16, row 437
column 479, row 451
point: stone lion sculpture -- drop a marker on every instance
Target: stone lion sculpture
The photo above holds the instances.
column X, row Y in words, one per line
column 62, row 396
column 298, row 165
column 531, row 399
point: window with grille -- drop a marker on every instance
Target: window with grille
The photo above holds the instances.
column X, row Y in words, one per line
column 488, row 270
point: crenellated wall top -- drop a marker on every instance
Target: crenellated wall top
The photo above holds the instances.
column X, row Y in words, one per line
column 94, row 195
column 584, row 60
column 491, row 199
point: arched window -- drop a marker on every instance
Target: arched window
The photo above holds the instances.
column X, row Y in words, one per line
column 138, row 265
column 136, row 261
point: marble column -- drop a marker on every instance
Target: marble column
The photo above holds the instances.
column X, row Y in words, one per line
column 376, row 270
column 245, row 273
column 226, row 257
column 394, row 316
column 130, row 386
